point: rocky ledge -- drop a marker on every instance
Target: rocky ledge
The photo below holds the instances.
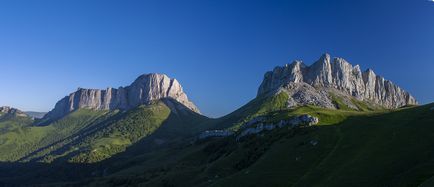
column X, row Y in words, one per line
column 259, row 124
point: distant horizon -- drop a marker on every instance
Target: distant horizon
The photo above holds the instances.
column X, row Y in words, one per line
column 218, row 52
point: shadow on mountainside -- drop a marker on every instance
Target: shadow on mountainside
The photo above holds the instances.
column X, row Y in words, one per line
column 74, row 138
column 391, row 149
column 181, row 123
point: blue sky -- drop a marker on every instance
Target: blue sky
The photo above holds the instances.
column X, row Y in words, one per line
column 218, row 50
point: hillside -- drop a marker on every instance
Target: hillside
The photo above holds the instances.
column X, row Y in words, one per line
column 91, row 125
column 388, row 148
column 347, row 148
column 12, row 119
column 24, row 140
column 321, row 125
column 87, row 136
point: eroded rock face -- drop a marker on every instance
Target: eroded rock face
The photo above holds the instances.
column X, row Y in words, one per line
column 304, row 120
column 144, row 90
column 6, row 110
column 311, row 84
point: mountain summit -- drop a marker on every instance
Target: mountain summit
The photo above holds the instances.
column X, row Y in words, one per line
column 319, row 83
column 145, row 89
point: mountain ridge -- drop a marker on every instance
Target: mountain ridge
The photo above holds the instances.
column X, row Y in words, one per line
column 312, row 84
column 7, row 110
column 104, row 139
column 145, row 89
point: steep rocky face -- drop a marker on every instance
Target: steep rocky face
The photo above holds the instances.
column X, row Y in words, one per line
column 313, row 84
column 143, row 90
column 6, row 110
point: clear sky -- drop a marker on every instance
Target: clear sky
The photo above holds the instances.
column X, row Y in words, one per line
column 219, row 50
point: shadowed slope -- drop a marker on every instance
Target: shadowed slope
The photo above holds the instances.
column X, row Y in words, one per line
column 352, row 149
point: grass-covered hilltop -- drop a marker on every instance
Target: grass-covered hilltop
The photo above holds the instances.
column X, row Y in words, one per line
column 328, row 124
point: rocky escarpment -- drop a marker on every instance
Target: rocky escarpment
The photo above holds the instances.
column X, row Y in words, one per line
column 9, row 111
column 260, row 124
column 144, row 90
column 313, row 84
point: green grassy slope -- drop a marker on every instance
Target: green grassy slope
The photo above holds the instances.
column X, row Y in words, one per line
column 276, row 106
column 257, row 107
column 387, row 148
column 392, row 149
column 112, row 136
column 202, row 162
column 12, row 122
column 23, row 140
column 365, row 147
column 88, row 136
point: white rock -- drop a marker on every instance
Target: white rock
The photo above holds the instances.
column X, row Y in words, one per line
column 293, row 122
column 143, row 90
column 311, row 84
column 215, row 133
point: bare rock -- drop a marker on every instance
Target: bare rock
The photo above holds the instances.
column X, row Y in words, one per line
column 215, row 133
column 312, row 84
column 304, row 94
column 9, row 111
column 144, row 90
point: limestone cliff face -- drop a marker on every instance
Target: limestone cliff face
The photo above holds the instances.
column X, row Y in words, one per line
column 143, row 90
column 338, row 75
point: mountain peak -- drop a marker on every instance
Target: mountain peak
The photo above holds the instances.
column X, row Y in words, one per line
column 325, row 57
column 147, row 76
column 144, row 90
column 320, row 73
column 340, row 76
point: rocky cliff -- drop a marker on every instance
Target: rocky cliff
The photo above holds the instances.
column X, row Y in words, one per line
column 316, row 84
column 143, row 90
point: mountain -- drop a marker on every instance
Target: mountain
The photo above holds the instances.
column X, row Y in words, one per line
column 36, row 115
column 319, row 83
column 150, row 134
column 12, row 119
column 346, row 148
column 145, row 89
column 92, row 125
column 6, row 111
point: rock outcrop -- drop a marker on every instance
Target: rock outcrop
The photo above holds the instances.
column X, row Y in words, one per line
column 9, row 111
column 295, row 122
column 313, row 84
column 144, row 90
column 258, row 125
column 215, row 133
